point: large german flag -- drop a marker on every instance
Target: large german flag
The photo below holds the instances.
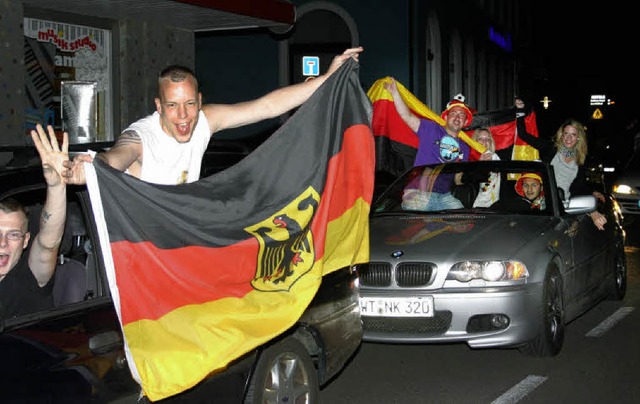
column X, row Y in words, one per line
column 202, row 273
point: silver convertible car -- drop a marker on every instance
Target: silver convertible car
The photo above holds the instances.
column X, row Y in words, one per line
column 510, row 269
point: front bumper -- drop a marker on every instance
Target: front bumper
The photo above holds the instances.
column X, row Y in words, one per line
column 462, row 316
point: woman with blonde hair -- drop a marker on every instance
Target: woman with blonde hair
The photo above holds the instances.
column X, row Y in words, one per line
column 571, row 152
column 580, row 146
column 484, row 136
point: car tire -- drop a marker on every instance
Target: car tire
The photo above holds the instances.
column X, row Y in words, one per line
column 550, row 336
column 618, row 283
column 284, row 373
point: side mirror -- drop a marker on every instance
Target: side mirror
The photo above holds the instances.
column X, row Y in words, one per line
column 581, row 204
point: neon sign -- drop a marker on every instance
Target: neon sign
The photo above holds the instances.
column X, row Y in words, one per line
column 503, row 41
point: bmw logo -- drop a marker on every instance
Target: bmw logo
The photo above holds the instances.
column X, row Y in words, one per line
column 397, row 254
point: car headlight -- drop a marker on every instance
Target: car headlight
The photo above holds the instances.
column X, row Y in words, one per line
column 623, row 189
column 490, row 271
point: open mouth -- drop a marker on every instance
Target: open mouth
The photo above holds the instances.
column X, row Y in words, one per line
column 183, row 129
column 4, row 260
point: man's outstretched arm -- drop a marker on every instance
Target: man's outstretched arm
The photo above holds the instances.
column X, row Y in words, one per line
column 273, row 104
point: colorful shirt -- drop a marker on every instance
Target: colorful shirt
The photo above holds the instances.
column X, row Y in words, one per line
column 437, row 146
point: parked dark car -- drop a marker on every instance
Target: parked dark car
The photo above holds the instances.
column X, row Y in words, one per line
column 74, row 353
column 505, row 274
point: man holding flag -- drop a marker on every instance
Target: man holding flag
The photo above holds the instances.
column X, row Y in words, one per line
column 437, row 144
column 207, row 271
column 397, row 143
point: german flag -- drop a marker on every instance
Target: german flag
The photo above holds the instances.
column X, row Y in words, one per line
column 202, row 273
column 502, row 124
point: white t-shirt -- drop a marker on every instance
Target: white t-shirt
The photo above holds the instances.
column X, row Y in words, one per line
column 164, row 160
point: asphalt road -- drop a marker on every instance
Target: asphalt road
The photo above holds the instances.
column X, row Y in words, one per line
column 599, row 363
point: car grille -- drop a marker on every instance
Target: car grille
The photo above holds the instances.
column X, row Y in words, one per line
column 425, row 326
column 407, row 274
column 629, row 205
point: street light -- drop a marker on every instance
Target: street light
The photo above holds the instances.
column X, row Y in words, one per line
column 545, row 102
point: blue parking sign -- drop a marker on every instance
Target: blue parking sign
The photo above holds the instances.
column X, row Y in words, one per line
column 310, row 66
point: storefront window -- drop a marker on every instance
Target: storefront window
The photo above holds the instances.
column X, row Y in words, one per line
column 68, row 79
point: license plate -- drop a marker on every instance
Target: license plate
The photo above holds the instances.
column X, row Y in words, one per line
column 397, row 306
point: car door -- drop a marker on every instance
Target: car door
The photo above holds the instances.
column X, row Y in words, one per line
column 604, row 242
column 590, row 254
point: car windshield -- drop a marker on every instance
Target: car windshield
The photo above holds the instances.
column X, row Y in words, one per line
column 498, row 187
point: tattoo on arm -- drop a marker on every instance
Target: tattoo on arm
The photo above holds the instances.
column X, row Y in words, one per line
column 127, row 137
column 45, row 216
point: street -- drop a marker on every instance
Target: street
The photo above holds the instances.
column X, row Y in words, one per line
column 597, row 364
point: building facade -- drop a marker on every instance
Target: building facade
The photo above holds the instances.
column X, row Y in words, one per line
column 437, row 49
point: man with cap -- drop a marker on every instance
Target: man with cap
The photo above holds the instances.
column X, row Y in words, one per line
column 529, row 187
column 437, row 143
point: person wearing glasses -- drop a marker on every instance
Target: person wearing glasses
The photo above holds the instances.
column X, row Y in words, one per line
column 26, row 279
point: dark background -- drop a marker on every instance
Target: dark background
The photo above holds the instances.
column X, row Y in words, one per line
column 587, row 49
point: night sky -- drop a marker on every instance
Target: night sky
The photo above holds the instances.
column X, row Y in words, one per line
column 588, row 49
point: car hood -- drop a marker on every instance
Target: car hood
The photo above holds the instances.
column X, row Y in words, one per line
column 436, row 238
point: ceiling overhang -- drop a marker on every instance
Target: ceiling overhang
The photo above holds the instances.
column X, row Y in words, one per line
column 192, row 15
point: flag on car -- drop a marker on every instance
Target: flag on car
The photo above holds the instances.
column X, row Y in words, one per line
column 203, row 273
column 396, row 144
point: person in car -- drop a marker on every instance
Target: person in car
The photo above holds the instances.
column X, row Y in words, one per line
column 484, row 136
column 567, row 153
column 529, row 187
column 167, row 146
column 26, row 279
column 436, row 144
